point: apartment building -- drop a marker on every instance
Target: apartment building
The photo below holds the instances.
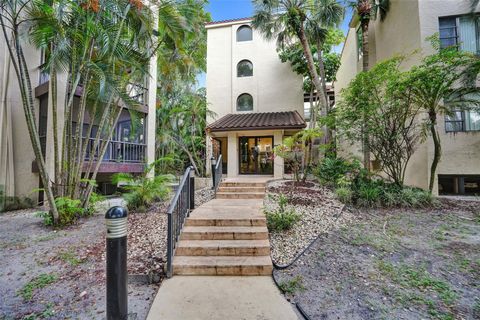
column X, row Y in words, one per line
column 127, row 151
column 257, row 99
column 406, row 28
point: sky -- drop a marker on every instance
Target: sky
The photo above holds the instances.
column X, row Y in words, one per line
column 234, row 9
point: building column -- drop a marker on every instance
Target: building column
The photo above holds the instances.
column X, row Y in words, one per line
column 150, row 128
column 278, row 162
column 232, row 163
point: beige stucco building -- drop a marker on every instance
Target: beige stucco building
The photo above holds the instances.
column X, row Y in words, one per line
column 257, row 99
column 406, row 28
column 126, row 152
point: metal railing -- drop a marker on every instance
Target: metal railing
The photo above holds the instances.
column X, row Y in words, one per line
column 217, row 172
column 178, row 211
column 118, row 151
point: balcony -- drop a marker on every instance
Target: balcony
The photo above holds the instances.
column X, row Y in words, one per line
column 120, row 156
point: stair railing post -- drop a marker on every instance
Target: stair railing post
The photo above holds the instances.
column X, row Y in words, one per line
column 192, row 189
column 214, row 163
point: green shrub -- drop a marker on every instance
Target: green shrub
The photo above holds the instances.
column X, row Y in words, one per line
column 93, row 203
column 68, row 212
column 369, row 195
column 282, row 218
column 331, row 170
column 344, row 194
column 143, row 191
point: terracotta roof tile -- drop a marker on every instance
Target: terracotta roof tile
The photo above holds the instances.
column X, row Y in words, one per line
column 258, row 121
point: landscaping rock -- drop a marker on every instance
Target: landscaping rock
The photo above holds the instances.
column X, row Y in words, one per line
column 319, row 213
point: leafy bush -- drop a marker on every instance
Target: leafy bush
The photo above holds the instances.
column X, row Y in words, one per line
column 282, row 218
column 93, row 203
column 344, row 194
column 356, row 186
column 143, row 191
column 69, row 211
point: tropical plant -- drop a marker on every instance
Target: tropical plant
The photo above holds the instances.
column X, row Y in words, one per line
column 182, row 110
column 296, row 152
column 290, row 20
column 282, row 218
column 102, row 47
column 390, row 121
column 367, row 10
column 434, row 88
column 143, row 190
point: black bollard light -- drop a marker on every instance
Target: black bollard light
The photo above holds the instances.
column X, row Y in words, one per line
column 117, row 294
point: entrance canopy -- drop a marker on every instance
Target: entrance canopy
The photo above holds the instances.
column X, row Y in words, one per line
column 258, row 121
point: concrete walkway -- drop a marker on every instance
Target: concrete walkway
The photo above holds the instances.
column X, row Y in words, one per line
column 222, row 298
column 222, row 263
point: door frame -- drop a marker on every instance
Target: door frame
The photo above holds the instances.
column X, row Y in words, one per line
column 240, row 157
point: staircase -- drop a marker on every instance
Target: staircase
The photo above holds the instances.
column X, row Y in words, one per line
column 226, row 236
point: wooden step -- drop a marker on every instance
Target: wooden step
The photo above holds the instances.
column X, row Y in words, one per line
column 222, row 265
column 226, row 220
column 223, row 248
column 243, row 184
column 240, row 195
column 224, row 233
column 241, row 189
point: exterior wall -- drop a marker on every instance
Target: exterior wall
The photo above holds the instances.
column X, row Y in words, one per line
column 24, row 181
column 461, row 150
column 273, row 86
column 405, row 30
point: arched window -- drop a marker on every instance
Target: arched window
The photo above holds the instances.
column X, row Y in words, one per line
column 244, row 69
column 244, row 33
column 244, row 102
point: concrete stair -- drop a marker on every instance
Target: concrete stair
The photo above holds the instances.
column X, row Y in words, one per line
column 226, row 236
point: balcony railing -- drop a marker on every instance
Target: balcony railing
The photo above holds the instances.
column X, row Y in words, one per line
column 118, row 151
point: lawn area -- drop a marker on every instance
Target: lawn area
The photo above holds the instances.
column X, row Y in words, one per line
column 393, row 264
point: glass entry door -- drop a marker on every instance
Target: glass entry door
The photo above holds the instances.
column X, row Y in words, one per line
column 256, row 155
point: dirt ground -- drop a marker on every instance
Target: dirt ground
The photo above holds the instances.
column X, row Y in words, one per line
column 47, row 274
column 393, row 264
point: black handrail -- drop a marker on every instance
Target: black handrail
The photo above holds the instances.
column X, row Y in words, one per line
column 178, row 211
column 217, row 171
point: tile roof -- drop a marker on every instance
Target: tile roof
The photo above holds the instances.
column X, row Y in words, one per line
column 258, row 121
column 227, row 21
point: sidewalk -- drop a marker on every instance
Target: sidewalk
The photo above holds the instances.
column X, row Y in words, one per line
column 220, row 298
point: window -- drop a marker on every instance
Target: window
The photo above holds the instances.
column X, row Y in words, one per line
column 244, row 33
column 359, row 43
column 244, row 69
column 462, row 120
column 468, row 185
column 462, row 32
column 245, row 102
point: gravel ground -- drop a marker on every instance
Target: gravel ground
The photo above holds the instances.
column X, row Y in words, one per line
column 393, row 264
column 319, row 213
column 203, row 195
column 74, row 258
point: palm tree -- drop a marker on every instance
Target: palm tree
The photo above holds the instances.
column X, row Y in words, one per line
column 368, row 10
column 287, row 20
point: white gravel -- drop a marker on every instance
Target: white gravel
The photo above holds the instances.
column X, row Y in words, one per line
column 319, row 213
column 203, row 195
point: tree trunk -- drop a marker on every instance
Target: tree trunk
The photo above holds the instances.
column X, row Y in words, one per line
column 437, row 148
column 365, row 57
column 313, row 72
